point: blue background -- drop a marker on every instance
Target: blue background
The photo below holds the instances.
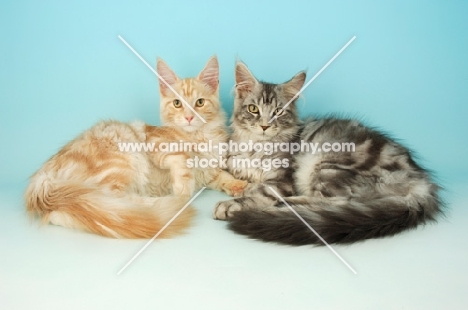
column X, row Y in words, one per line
column 63, row 67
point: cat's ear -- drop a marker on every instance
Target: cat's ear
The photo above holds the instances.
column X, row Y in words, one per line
column 294, row 85
column 245, row 81
column 210, row 74
column 168, row 75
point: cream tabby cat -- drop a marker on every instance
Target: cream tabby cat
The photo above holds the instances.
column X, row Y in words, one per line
column 91, row 185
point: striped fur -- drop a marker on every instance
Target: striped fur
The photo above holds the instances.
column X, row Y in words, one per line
column 92, row 185
column 376, row 191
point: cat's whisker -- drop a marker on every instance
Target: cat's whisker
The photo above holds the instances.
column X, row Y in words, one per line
column 162, row 79
column 126, row 180
column 348, row 181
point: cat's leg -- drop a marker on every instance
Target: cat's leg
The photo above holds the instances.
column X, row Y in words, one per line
column 260, row 196
column 226, row 182
column 226, row 209
column 182, row 178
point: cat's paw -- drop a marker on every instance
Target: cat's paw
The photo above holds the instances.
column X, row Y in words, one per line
column 235, row 187
column 225, row 209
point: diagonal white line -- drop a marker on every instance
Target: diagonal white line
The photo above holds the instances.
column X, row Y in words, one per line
column 313, row 230
column 160, row 231
column 160, row 77
column 313, row 78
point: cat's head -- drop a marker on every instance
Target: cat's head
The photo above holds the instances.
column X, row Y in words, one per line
column 199, row 94
column 257, row 103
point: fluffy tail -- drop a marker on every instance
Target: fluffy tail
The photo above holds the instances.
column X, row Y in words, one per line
column 76, row 205
column 335, row 221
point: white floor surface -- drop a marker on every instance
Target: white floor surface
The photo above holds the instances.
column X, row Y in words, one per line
column 210, row 267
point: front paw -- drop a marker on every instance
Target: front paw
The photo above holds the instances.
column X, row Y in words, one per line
column 225, row 209
column 235, row 187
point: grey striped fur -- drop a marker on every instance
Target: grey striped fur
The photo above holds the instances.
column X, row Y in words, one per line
column 378, row 190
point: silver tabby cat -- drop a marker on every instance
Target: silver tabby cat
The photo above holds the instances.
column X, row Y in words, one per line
column 376, row 190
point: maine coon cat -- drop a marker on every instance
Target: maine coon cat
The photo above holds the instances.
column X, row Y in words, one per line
column 90, row 184
column 378, row 190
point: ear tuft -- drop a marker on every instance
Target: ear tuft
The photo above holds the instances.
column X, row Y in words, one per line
column 167, row 75
column 294, row 85
column 210, row 74
column 245, row 80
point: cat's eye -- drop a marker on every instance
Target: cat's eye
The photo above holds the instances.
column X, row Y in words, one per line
column 278, row 111
column 200, row 102
column 253, row 108
column 177, row 103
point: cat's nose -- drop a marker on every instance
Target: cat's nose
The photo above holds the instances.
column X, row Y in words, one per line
column 189, row 118
column 265, row 127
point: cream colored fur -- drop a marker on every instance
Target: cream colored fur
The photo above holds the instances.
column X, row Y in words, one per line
column 92, row 185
